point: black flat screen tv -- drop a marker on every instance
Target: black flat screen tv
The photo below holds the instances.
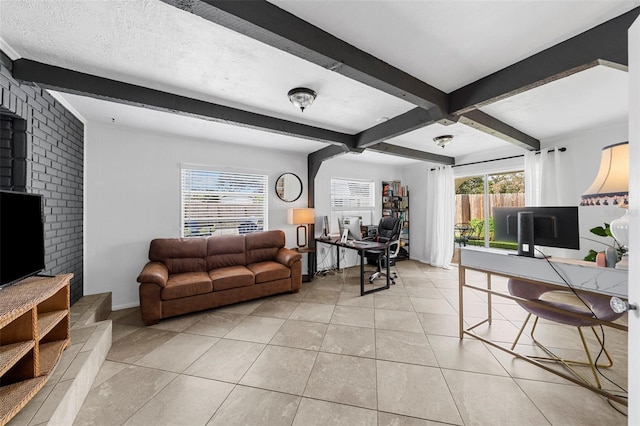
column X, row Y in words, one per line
column 542, row 226
column 21, row 236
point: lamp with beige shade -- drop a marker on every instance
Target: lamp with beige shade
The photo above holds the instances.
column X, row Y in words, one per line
column 611, row 187
column 301, row 217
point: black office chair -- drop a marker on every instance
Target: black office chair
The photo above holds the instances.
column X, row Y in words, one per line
column 388, row 232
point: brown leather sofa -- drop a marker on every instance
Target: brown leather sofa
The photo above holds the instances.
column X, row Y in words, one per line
column 192, row 274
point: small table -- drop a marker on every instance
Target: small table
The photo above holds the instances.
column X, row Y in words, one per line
column 311, row 261
column 462, row 233
column 361, row 247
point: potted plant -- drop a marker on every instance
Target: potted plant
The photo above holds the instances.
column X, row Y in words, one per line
column 604, row 231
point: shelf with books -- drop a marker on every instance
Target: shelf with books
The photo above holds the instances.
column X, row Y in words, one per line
column 395, row 203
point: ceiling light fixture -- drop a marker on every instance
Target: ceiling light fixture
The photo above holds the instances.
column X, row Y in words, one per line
column 443, row 140
column 302, row 97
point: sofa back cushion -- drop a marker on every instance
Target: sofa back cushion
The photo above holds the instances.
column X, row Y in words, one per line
column 180, row 254
column 225, row 251
column 263, row 246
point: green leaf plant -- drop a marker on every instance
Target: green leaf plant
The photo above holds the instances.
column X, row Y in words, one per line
column 604, row 231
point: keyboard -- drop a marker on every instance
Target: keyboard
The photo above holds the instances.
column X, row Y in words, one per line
column 362, row 243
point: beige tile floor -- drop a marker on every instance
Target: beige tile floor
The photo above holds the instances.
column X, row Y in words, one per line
column 327, row 356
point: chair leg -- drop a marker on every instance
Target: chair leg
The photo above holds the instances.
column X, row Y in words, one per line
column 604, row 350
column 566, row 362
column 591, row 364
column 378, row 272
column 515, row 342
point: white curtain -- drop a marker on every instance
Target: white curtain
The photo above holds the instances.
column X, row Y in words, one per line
column 531, row 180
column 545, row 178
column 440, row 216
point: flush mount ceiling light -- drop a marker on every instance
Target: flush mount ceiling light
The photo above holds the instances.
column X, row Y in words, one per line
column 443, row 140
column 302, row 97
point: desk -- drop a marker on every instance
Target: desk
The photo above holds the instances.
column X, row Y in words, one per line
column 370, row 245
column 580, row 274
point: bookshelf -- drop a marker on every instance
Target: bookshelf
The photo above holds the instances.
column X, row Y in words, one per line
column 34, row 330
column 395, row 203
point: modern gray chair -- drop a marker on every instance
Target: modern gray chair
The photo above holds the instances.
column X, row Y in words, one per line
column 548, row 297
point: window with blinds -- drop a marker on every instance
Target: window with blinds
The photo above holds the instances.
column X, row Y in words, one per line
column 352, row 194
column 222, row 203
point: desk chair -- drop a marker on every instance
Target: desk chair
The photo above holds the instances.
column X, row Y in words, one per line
column 388, row 232
column 568, row 301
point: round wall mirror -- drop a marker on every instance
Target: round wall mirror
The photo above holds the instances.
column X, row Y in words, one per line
column 288, row 187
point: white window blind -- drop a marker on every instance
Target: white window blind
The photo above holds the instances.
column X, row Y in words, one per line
column 219, row 203
column 351, row 194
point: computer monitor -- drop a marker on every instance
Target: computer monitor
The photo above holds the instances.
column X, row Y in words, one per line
column 325, row 227
column 352, row 224
column 543, row 226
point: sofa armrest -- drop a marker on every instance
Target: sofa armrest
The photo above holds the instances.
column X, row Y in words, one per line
column 154, row 272
column 287, row 257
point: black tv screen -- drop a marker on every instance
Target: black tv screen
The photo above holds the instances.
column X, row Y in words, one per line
column 21, row 236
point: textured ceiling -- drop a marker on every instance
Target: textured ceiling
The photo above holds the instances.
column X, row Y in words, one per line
column 445, row 44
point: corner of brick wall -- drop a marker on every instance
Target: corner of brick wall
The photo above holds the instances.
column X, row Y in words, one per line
column 55, row 158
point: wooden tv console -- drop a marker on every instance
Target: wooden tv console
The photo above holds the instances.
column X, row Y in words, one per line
column 34, row 331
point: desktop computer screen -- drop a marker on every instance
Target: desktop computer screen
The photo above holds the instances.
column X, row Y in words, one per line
column 352, row 224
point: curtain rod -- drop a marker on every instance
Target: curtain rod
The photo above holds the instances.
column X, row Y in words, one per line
column 563, row 149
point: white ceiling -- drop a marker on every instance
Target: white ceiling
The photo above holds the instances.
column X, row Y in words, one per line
column 446, row 44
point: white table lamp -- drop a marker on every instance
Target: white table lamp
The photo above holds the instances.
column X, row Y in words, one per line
column 301, row 217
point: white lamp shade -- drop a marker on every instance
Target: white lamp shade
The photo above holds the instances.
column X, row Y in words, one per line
column 611, row 185
column 300, row 216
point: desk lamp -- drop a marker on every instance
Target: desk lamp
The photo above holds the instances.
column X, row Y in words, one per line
column 611, row 187
column 301, row 217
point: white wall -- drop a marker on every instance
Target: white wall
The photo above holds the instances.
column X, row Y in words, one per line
column 583, row 160
column 416, row 178
column 345, row 167
column 132, row 195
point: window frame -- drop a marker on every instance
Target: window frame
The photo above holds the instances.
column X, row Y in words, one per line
column 371, row 189
column 216, row 185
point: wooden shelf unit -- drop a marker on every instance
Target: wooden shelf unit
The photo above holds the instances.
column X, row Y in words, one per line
column 34, row 331
column 395, row 203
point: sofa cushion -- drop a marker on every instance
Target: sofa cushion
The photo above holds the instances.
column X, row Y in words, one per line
column 180, row 254
column 225, row 250
column 269, row 271
column 231, row 277
column 186, row 284
column 263, row 246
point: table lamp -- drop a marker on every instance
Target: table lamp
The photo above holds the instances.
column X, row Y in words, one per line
column 301, row 217
column 611, row 187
